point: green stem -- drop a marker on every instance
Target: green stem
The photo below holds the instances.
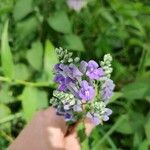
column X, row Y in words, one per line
column 7, row 137
column 10, row 118
column 84, row 143
column 141, row 63
column 120, row 120
column 110, row 141
column 22, row 82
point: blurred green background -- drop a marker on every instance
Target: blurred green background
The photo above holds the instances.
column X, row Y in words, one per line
column 29, row 32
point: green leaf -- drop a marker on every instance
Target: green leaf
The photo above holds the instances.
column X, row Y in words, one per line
column 107, row 15
column 147, row 60
column 136, row 90
column 25, row 29
column 34, row 55
column 6, row 56
column 60, row 22
column 42, row 99
column 32, row 100
column 5, row 94
column 21, row 72
column 143, row 145
column 4, row 112
column 50, row 59
column 115, row 96
column 125, row 127
column 22, row 8
column 29, row 102
column 147, row 130
column 137, row 138
column 74, row 42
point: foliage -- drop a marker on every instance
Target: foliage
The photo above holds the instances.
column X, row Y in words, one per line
column 29, row 31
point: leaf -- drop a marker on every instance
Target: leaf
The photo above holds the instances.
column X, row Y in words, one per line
column 6, row 56
column 25, row 30
column 137, row 138
column 74, row 42
column 5, row 94
column 42, row 99
column 147, row 60
column 29, row 102
column 21, row 72
column 34, row 55
column 147, row 130
column 125, row 127
column 115, row 96
column 107, row 15
column 50, row 59
column 60, row 22
column 32, row 100
column 136, row 90
column 143, row 145
column 4, row 112
column 22, row 8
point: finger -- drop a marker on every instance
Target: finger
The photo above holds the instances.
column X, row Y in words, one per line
column 89, row 125
column 72, row 139
column 55, row 128
column 42, row 132
column 54, row 120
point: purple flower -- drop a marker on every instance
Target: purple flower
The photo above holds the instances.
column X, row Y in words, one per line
column 97, row 118
column 60, row 111
column 93, row 72
column 83, row 66
column 68, row 116
column 77, row 5
column 94, row 118
column 86, row 92
column 58, row 68
column 78, row 106
column 106, row 114
column 107, row 89
column 73, row 89
column 72, row 71
column 63, row 82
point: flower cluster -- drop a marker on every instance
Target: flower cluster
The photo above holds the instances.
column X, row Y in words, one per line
column 84, row 88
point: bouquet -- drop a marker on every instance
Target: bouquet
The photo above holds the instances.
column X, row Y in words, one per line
column 84, row 88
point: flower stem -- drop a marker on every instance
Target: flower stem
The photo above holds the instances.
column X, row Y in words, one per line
column 26, row 83
column 10, row 117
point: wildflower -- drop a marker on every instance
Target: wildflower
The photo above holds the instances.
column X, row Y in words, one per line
column 72, row 71
column 73, row 89
column 99, row 112
column 94, row 118
column 106, row 65
column 63, row 82
column 83, row 66
column 86, row 92
column 107, row 89
column 79, row 85
column 68, row 116
column 58, row 68
column 77, row 5
column 93, row 72
column 106, row 114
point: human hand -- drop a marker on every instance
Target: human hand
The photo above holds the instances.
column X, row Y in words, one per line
column 46, row 131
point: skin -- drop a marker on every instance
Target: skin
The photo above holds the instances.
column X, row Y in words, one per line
column 46, row 131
